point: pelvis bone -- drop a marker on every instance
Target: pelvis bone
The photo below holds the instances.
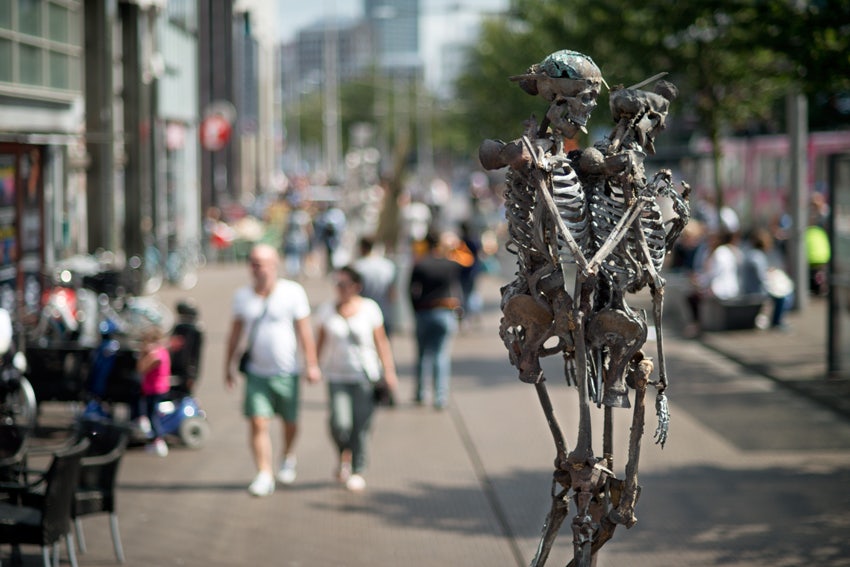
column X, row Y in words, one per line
column 525, row 326
column 619, row 334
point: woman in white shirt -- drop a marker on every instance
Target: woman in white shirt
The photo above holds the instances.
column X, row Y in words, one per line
column 719, row 276
column 353, row 352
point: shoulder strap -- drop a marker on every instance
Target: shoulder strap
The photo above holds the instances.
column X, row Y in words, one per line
column 254, row 326
column 352, row 338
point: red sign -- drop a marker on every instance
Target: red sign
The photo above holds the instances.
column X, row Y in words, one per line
column 215, row 132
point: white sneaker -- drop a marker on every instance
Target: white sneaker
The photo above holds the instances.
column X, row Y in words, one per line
column 263, row 485
column 144, row 425
column 157, row 447
column 287, row 474
column 355, row 483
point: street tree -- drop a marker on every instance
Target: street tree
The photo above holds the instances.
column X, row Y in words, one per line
column 725, row 78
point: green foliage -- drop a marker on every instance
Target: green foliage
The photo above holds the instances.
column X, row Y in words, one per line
column 813, row 36
column 487, row 100
column 357, row 104
column 733, row 60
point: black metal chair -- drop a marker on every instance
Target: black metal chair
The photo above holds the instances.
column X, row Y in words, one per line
column 95, row 492
column 42, row 512
column 13, row 448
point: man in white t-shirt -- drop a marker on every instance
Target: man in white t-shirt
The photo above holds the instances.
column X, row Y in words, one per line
column 274, row 316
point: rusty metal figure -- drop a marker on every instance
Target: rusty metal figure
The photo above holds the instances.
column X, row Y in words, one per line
column 587, row 230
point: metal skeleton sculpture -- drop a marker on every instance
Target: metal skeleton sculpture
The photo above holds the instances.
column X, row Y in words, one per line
column 591, row 219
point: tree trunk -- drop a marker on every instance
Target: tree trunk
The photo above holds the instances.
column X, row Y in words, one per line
column 716, row 156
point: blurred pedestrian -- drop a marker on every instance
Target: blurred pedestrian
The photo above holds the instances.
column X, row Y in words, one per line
column 436, row 300
column 719, row 277
column 296, row 241
column 685, row 256
column 761, row 275
column 330, row 225
column 469, row 274
column 380, row 276
column 818, row 252
column 186, row 342
column 274, row 313
column 219, row 236
column 355, row 353
column 154, row 366
column 416, row 219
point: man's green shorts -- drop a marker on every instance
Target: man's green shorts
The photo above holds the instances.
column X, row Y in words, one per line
column 266, row 396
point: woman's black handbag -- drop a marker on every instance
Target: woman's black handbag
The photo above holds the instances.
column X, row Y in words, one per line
column 382, row 394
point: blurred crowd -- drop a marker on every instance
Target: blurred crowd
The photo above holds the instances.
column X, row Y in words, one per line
column 424, row 263
column 318, row 229
column 722, row 261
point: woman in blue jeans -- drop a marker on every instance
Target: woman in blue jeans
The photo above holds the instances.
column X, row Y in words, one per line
column 435, row 297
column 353, row 351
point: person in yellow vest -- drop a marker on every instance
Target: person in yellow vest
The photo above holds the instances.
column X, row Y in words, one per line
column 818, row 252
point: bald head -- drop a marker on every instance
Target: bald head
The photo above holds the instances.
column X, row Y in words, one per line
column 263, row 252
column 264, row 261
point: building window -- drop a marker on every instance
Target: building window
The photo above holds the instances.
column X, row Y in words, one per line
column 40, row 48
column 58, row 74
column 5, row 60
column 6, row 15
column 29, row 17
column 58, row 26
column 30, row 58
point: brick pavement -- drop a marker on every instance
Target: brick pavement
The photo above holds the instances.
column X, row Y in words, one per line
column 468, row 486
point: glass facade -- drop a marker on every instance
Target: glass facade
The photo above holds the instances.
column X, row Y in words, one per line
column 40, row 46
column 396, row 27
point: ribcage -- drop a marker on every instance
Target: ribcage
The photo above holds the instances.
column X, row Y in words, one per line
column 652, row 225
column 569, row 197
column 519, row 205
column 625, row 265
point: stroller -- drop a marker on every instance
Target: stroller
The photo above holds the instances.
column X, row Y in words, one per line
column 112, row 378
column 181, row 415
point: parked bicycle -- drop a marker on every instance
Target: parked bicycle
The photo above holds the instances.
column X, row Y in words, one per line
column 168, row 261
column 17, row 398
column 84, row 294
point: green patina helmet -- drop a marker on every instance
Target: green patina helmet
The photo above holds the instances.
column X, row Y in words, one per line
column 569, row 64
column 564, row 64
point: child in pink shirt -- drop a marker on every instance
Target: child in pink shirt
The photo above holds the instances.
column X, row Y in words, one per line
column 154, row 366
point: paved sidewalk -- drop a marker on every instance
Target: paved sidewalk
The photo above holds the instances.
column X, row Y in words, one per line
column 795, row 358
column 470, row 486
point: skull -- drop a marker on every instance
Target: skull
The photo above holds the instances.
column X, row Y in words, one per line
column 642, row 114
column 570, row 82
column 571, row 106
